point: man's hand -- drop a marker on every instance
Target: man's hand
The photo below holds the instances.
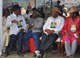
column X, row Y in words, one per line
column 14, row 21
column 49, row 31
column 21, row 30
column 31, row 26
column 67, row 34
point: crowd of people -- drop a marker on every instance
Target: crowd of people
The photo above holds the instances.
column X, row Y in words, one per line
column 18, row 28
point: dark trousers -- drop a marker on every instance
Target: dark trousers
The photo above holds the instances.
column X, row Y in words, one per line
column 13, row 38
column 47, row 41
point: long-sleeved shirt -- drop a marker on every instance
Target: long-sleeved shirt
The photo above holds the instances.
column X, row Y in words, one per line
column 4, row 27
column 15, row 27
column 55, row 24
column 73, row 31
column 5, row 31
column 38, row 24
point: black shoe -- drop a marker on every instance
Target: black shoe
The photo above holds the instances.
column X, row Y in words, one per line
column 40, row 56
column 6, row 54
column 20, row 53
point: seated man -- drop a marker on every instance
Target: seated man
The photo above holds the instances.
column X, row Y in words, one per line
column 70, row 31
column 35, row 26
column 17, row 25
column 51, row 29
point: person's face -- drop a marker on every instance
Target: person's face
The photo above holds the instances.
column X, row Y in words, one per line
column 73, row 15
column 54, row 13
column 6, row 13
column 18, row 11
column 27, row 12
column 34, row 15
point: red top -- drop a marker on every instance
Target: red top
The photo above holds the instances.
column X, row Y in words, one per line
column 67, row 27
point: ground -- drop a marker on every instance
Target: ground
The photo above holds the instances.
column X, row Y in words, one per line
column 31, row 55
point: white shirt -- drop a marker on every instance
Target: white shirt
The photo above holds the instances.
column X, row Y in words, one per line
column 14, row 29
column 59, row 24
column 27, row 16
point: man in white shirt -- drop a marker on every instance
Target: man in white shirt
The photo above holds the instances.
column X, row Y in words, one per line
column 17, row 25
column 51, row 29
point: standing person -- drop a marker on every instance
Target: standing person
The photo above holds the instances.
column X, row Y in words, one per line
column 71, row 31
column 51, row 29
column 27, row 15
column 29, row 7
column 42, row 13
column 17, row 25
column 5, row 29
column 35, row 26
column 59, row 6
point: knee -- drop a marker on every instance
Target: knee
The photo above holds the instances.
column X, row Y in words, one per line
column 35, row 36
column 13, row 38
column 25, row 36
column 20, row 34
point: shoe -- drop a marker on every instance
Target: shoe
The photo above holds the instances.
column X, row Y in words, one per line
column 37, row 52
column 20, row 53
column 6, row 54
column 39, row 56
column 69, row 57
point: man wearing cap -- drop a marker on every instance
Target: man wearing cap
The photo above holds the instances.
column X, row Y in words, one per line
column 71, row 31
column 17, row 26
column 51, row 29
column 35, row 26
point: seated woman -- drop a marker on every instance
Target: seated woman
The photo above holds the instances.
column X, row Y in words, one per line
column 70, row 31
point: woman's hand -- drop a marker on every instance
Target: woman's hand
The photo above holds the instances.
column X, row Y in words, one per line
column 67, row 34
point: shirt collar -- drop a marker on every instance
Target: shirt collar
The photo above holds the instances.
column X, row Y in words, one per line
column 56, row 17
column 14, row 14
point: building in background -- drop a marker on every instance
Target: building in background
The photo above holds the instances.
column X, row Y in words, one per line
column 24, row 3
column 70, row 3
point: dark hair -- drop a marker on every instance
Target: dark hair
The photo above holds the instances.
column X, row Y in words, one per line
column 58, row 2
column 15, row 7
column 34, row 9
column 4, row 10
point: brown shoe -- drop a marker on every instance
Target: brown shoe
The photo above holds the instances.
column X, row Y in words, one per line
column 70, row 56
